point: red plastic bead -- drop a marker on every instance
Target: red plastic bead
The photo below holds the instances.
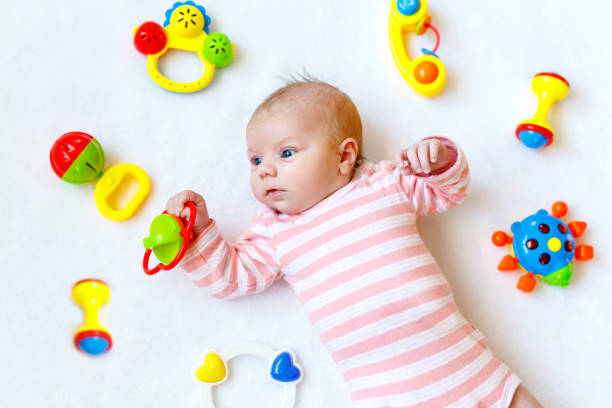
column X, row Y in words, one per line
column 150, row 38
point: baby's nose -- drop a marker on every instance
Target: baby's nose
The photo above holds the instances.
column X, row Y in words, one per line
column 266, row 169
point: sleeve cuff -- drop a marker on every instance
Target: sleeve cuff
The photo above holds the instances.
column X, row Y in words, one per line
column 453, row 151
column 454, row 164
column 206, row 237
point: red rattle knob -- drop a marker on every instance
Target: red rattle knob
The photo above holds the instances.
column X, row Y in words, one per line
column 150, row 38
column 168, row 239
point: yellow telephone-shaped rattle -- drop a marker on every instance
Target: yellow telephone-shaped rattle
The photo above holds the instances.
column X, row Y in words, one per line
column 186, row 28
column 426, row 74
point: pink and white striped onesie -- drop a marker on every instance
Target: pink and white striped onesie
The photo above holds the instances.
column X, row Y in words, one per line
column 373, row 290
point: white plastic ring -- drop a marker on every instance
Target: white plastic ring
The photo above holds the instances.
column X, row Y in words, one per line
column 282, row 368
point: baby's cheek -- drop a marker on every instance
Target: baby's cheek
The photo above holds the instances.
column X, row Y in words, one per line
column 253, row 183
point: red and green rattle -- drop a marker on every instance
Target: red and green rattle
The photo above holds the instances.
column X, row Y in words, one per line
column 78, row 158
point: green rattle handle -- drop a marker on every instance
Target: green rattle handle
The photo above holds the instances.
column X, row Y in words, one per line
column 159, row 240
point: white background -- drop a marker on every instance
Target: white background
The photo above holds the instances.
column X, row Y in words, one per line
column 70, row 65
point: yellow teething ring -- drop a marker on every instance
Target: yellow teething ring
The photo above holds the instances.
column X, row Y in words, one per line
column 111, row 181
column 176, row 86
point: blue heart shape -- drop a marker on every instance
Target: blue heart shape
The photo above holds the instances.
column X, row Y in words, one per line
column 283, row 369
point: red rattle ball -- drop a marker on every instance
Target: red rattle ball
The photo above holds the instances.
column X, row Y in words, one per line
column 150, row 38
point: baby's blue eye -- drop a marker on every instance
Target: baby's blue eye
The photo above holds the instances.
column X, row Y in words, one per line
column 257, row 161
column 287, row 153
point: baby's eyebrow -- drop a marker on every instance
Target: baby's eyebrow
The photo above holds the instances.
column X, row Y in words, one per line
column 288, row 140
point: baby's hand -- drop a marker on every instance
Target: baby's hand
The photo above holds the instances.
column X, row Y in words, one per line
column 424, row 156
column 176, row 206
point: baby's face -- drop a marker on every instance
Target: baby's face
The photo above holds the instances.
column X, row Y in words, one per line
column 293, row 164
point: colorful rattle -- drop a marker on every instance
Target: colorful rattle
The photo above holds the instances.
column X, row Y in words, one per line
column 78, row 158
column 186, row 28
column 544, row 246
column 426, row 74
column 168, row 239
column 91, row 338
column 282, row 368
column 536, row 132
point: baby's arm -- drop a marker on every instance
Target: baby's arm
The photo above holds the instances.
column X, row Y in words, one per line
column 249, row 265
column 523, row 399
column 434, row 174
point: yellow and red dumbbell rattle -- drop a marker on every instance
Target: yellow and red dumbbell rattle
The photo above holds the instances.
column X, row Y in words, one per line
column 426, row 74
column 91, row 338
column 550, row 88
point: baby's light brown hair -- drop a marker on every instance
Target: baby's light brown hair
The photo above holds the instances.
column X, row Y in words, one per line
column 342, row 116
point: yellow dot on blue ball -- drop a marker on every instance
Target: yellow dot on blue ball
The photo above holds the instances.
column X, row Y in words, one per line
column 554, row 244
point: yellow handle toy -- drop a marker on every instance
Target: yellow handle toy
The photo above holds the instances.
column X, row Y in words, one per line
column 426, row 74
column 186, row 28
column 91, row 338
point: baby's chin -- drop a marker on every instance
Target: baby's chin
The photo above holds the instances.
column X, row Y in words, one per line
column 286, row 206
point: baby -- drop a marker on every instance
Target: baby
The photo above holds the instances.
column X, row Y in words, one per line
column 343, row 234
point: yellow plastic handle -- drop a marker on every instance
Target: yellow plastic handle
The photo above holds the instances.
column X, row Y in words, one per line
column 176, row 86
column 111, row 181
column 91, row 294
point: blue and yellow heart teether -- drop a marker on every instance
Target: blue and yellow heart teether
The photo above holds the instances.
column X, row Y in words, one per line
column 282, row 369
column 186, row 28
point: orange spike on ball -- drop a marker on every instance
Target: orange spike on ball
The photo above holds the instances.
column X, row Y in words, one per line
column 577, row 228
column 500, row 238
column 526, row 283
column 584, row 252
column 559, row 209
column 508, row 263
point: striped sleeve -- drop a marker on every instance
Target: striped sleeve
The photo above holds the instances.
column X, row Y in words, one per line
column 440, row 191
column 226, row 270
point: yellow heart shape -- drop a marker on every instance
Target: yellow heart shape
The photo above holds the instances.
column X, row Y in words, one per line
column 213, row 370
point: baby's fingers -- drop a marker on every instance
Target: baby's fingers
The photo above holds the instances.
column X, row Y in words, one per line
column 400, row 158
column 185, row 213
column 413, row 158
column 175, row 204
column 423, row 154
column 402, row 161
column 434, row 149
column 197, row 199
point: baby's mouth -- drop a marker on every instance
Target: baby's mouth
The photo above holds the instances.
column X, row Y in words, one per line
column 273, row 192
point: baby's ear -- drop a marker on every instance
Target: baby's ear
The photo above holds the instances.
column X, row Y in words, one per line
column 347, row 153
